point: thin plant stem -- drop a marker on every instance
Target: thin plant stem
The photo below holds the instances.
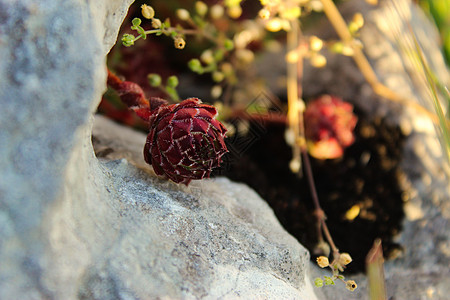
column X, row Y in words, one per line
column 296, row 123
column 292, row 90
column 318, row 209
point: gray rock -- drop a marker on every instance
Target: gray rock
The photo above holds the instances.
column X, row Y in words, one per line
column 72, row 226
column 213, row 239
column 52, row 77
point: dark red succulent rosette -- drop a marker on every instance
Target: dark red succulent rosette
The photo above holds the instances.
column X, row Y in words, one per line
column 185, row 141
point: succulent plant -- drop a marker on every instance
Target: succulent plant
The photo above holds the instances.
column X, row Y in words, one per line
column 185, row 141
column 329, row 126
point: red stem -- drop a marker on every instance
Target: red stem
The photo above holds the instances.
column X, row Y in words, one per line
column 134, row 97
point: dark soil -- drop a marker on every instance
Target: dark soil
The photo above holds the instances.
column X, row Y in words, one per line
column 367, row 176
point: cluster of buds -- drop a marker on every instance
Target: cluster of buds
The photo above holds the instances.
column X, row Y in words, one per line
column 329, row 126
column 309, row 49
column 158, row 28
column 185, row 141
column 277, row 15
column 337, row 265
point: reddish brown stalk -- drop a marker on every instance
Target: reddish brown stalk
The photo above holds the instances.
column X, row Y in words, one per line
column 319, row 213
column 271, row 117
column 133, row 96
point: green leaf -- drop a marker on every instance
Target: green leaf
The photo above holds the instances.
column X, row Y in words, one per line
column 136, row 22
column 318, row 282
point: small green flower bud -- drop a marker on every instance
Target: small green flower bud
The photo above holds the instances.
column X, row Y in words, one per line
column 136, row 22
column 195, row 65
column 218, row 76
column 172, row 81
column 337, row 47
column 147, row 11
column 318, row 282
column 128, row 40
column 154, row 79
column 228, row 44
column 218, row 55
column 201, row 8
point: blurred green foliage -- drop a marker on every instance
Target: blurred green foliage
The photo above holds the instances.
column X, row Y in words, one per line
column 439, row 10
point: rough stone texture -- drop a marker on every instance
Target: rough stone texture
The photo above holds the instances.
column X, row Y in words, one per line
column 73, row 227
column 52, row 78
column 212, row 239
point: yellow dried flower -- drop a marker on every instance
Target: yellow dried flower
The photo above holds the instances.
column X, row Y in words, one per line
column 147, row 11
column 316, row 5
column 274, row 25
column 207, row 56
column 322, row 261
column 183, row 14
column 315, row 43
column 286, row 25
column 358, row 19
column 347, row 50
column 291, row 13
column 345, row 259
column 245, row 55
column 234, row 11
column 351, row 285
column 179, row 42
column 292, row 56
column 295, row 165
column 226, row 68
column 318, row 60
column 264, row 13
column 216, row 11
column 216, row 91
